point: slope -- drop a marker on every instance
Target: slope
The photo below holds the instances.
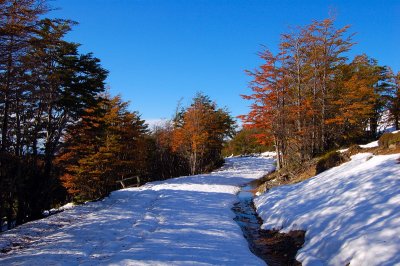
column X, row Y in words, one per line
column 351, row 213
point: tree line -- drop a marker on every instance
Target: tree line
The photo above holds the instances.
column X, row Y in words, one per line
column 63, row 137
column 110, row 143
column 308, row 98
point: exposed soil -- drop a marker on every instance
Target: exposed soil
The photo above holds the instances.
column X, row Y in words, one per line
column 279, row 248
column 273, row 247
column 385, row 151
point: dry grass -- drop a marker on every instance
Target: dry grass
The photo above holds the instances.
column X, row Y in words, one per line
column 385, row 151
column 308, row 169
column 284, row 177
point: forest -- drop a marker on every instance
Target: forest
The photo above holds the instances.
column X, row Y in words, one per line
column 65, row 138
column 310, row 98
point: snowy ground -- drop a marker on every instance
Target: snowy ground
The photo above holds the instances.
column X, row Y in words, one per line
column 351, row 213
column 181, row 221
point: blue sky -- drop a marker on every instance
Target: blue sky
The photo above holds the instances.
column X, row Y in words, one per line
column 158, row 52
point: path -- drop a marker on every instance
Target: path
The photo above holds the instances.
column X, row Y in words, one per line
column 180, row 221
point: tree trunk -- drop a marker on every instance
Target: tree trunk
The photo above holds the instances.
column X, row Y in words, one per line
column 7, row 88
column 278, row 154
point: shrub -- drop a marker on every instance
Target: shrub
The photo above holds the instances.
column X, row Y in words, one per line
column 353, row 149
column 388, row 139
column 329, row 160
column 245, row 143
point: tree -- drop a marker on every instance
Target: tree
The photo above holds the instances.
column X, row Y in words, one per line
column 361, row 99
column 166, row 162
column 200, row 132
column 268, row 111
column 105, row 146
column 394, row 102
column 294, row 92
column 245, row 143
column 325, row 59
column 18, row 21
column 46, row 84
column 62, row 84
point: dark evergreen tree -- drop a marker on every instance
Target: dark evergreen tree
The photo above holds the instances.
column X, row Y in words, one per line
column 18, row 21
column 45, row 86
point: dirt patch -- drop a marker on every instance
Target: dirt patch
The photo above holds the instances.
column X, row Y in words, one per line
column 386, row 151
column 286, row 177
column 279, row 248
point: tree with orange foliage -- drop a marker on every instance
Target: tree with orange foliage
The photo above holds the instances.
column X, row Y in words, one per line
column 268, row 108
column 166, row 162
column 105, row 146
column 293, row 91
column 359, row 100
column 199, row 134
column 245, row 142
column 309, row 100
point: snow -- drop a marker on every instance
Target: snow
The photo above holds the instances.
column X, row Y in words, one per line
column 351, row 213
column 386, row 123
column 373, row 144
column 268, row 154
column 181, row 221
column 156, row 122
column 62, row 208
column 67, row 206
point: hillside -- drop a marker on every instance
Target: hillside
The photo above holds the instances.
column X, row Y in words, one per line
column 351, row 213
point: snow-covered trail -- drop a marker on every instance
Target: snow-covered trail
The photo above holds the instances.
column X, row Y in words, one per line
column 180, row 221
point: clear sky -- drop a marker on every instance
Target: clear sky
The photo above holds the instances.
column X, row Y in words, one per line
column 160, row 51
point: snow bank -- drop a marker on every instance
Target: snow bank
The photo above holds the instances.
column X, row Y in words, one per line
column 181, row 221
column 373, row 144
column 351, row 212
column 268, row 154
